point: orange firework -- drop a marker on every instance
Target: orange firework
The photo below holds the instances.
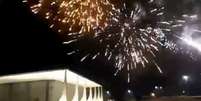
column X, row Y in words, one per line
column 76, row 16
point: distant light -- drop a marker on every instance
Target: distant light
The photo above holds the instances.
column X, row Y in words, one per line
column 108, row 92
column 185, row 77
column 129, row 91
column 161, row 87
column 153, row 94
column 156, row 87
column 183, row 92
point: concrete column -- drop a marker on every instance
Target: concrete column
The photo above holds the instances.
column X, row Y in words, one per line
column 98, row 94
column 95, row 96
column 84, row 96
column 80, row 93
column 75, row 98
column 66, row 85
column 63, row 97
column 101, row 94
column 90, row 94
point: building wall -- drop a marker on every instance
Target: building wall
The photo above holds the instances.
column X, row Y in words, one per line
column 20, row 92
column 34, row 91
column 4, row 92
column 38, row 91
column 80, row 92
column 70, row 92
column 48, row 91
column 56, row 90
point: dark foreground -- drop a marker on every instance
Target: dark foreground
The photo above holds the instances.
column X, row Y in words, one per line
column 178, row 98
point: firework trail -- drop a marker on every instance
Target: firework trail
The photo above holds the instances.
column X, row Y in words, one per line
column 137, row 40
column 74, row 16
column 130, row 36
column 189, row 38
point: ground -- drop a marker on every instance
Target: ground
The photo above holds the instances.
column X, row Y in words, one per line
column 180, row 98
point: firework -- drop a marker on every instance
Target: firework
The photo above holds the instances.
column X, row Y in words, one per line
column 188, row 38
column 131, row 37
column 131, row 40
column 137, row 43
column 74, row 16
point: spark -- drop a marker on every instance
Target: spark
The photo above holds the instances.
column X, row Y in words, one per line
column 159, row 69
column 123, row 33
column 71, row 41
column 189, row 40
column 80, row 16
column 84, row 58
column 177, row 25
column 70, row 53
column 193, row 17
column 130, row 42
column 135, row 46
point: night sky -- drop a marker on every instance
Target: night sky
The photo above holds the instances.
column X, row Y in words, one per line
column 27, row 44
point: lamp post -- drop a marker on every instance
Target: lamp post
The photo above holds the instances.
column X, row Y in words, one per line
column 157, row 91
column 108, row 96
column 185, row 78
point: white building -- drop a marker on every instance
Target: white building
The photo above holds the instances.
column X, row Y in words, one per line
column 58, row 85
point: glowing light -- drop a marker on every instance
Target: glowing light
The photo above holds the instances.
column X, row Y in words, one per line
column 187, row 37
column 124, row 34
column 153, row 94
column 183, row 91
column 192, row 17
column 134, row 45
column 192, row 43
column 78, row 16
column 132, row 42
column 161, row 87
column 156, row 87
column 108, row 92
column 129, row 91
column 185, row 77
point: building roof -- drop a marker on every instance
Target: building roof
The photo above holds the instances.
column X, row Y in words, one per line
column 58, row 75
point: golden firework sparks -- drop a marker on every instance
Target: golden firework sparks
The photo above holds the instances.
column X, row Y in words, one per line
column 76, row 16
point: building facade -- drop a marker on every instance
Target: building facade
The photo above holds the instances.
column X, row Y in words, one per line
column 58, row 85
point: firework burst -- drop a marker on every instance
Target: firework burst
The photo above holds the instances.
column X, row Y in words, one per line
column 74, row 16
column 137, row 40
column 130, row 36
column 133, row 37
column 189, row 37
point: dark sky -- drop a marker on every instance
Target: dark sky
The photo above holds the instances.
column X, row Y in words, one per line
column 27, row 44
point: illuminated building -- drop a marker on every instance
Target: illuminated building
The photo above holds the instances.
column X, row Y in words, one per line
column 57, row 85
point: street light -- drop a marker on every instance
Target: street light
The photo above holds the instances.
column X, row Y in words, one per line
column 108, row 92
column 156, row 87
column 153, row 94
column 160, row 87
column 129, row 91
column 183, row 91
column 185, row 78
